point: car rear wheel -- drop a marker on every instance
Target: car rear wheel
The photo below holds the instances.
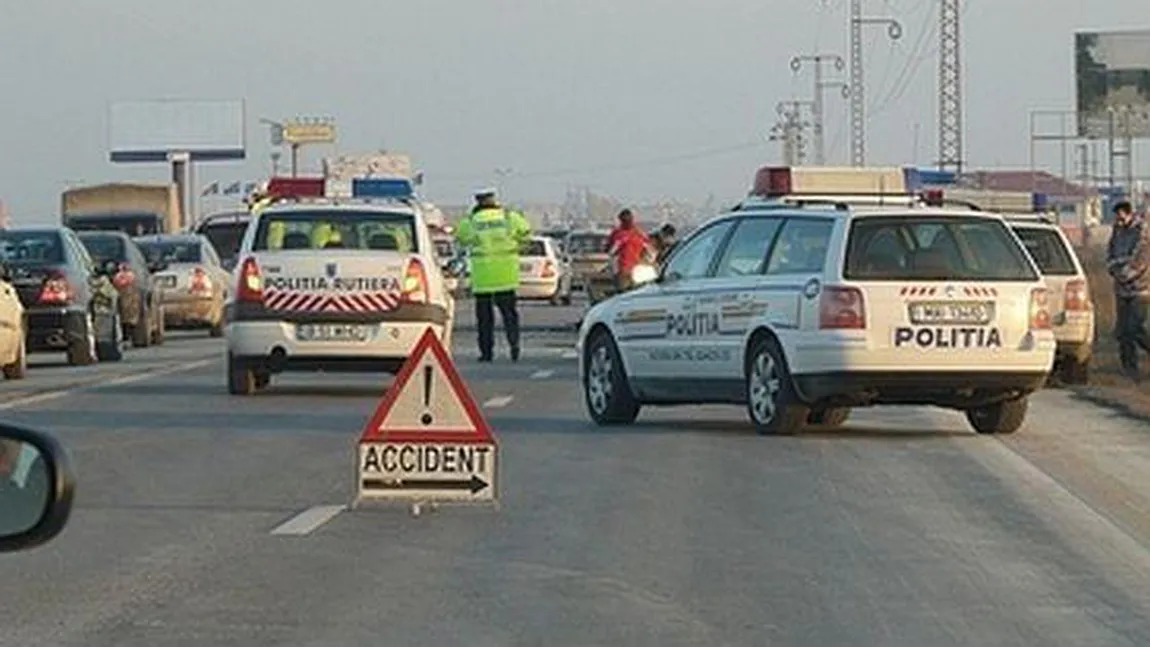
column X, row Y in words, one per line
column 217, row 328
column 1075, row 372
column 82, row 343
column 241, row 377
column 19, row 368
column 772, row 404
column 999, row 418
column 160, row 328
column 605, row 389
column 112, row 350
column 142, row 331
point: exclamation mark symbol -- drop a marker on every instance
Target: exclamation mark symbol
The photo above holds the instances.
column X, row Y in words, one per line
column 426, row 419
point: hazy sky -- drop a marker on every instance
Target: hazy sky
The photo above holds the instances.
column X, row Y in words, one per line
column 641, row 100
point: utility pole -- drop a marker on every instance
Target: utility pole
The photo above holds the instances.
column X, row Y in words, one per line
column 818, row 105
column 857, row 92
column 789, row 130
column 949, row 89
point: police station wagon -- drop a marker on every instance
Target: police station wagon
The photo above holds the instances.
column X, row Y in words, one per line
column 334, row 285
column 801, row 313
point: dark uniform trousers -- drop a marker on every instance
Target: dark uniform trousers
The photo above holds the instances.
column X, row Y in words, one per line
column 485, row 305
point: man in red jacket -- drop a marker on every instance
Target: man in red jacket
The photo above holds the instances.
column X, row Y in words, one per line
column 628, row 246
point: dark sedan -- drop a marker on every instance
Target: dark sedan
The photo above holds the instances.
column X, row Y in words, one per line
column 72, row 305
column 141, row 310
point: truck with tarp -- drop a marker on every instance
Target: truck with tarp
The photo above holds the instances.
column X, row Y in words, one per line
column 134, row 209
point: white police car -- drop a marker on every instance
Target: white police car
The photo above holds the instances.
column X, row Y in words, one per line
column 334, row 285
column 801, row 313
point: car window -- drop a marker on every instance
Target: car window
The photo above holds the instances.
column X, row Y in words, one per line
column 535, row 248
column 104, row 248
column 935, row 248
column 335, row 230
column 579, row 244
column 32, row 247
column 79, row 251
column 209, row 252
column 1048, row 250
column 693, row 259
column 172, row 251
column 801, row 247
column 748, row 248
column 226, row 237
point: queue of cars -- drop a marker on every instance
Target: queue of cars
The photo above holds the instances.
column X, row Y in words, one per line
column 88, row 294
column 802, row 310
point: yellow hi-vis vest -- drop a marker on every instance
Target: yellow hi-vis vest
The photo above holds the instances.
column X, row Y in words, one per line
column 493, row 237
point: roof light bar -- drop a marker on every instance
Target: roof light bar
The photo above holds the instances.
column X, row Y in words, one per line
column 394, row 188
column 296, row 187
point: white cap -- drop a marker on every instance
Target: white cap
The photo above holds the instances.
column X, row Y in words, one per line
column 485, row 193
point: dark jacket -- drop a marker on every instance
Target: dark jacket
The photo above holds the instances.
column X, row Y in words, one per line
column 1128, row 259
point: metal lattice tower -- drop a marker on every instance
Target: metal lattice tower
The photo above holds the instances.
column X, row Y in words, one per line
column 949, row 89
column 857, row 92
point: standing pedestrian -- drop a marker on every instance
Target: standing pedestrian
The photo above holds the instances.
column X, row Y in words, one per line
column 493, row 237
column 1128, row 260
column 628, row 246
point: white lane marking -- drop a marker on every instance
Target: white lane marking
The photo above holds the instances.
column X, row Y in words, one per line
column 307, row 521
column 92, row 386
column 570, row 354
column 499, row 401
column 542, row 375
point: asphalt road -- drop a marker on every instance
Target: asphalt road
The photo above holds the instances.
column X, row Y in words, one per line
column 904, row 528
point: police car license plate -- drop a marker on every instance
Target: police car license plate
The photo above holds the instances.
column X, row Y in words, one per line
column 331, row 332
column 952, row 312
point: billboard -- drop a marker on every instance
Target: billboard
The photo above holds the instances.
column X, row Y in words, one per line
column 1113, row 83
column 308, row 132
column 147, row 131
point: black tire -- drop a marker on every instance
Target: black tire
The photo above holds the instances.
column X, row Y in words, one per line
column 1075, row 372
column 999, row 418
column 829, row 418
column 112, row 350
column 241, row 377
column 606, row 392
column 160, row 329
column 217, row 329
column 18, row 369
column 82, row 343
column 772, row 410
column 565, row 299
column 142, row 331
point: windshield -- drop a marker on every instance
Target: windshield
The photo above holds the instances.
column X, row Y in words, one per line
column 324, row 229
column 1045, row 246
column 935, row 248
column 31, row 247
column 535, row 248
column 587, row 244
column 226, row 238
column 143, row 224
column 171, row 251
column 104, row 248
column 444, row 248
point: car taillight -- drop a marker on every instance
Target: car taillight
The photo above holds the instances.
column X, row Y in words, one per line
column 56, row 290
column 1076, row 297
column 842, row 308
column 548, row 269
column 251, row 285
column 124, row 277
column 415, row 282
column 1039, row 309
column 200, row 280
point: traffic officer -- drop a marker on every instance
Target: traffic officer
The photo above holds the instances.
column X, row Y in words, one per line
column 493, row 237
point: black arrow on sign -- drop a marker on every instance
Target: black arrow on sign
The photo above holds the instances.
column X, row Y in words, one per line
column 474, row 484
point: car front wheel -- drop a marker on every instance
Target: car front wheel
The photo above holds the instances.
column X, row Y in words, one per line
column 605, row 389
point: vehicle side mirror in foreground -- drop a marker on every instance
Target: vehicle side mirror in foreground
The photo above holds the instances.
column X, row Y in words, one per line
column 643, row 274
column 36, row 488
column 109, row 267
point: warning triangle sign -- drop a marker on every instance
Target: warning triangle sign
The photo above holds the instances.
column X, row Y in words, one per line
column 428, row 403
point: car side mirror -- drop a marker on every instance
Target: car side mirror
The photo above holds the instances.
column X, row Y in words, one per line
column 36, row 488
column 109, row 267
